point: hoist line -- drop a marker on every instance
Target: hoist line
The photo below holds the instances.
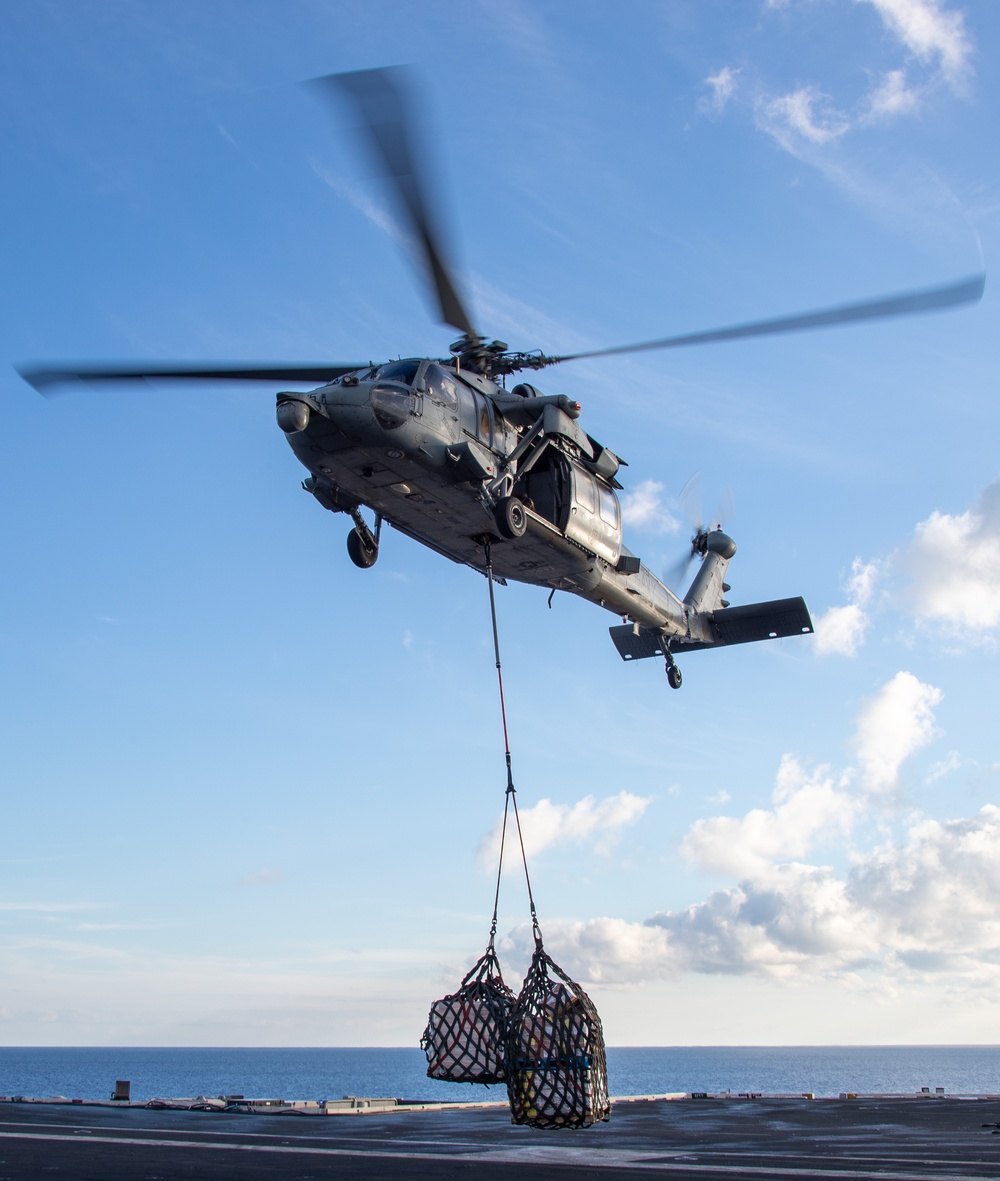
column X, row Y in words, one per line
column 496, row 896
column 511, row 793
column 496, row 653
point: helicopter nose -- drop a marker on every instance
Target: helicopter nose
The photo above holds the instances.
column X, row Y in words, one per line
column 293, row 416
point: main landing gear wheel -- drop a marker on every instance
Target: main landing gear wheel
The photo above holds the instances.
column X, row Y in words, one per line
column 674, row 678
column 511, row 518
column 361, row 554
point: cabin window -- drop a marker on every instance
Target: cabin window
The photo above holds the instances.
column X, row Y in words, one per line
column 475, row 413
column 609, row 507
column 586, row 495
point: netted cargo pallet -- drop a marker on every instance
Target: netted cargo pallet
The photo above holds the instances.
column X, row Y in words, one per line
column 465, row 1034
column 557, row 1074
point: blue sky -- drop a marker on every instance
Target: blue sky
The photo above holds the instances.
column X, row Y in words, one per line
column 249, row 789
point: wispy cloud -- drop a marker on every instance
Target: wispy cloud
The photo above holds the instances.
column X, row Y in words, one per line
column 933, row 33
column 376, row 212
column 722, row 87
column 815, row 120
column 597, row 823
column 891, row 97
column 806, row 115
column 644, row 507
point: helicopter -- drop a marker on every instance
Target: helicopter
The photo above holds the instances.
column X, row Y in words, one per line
column 504, row 480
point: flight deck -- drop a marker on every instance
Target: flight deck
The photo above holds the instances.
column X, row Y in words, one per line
column 887, row 1137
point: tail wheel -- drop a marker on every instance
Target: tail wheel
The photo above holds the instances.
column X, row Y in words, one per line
column 361, row 554
column 511, row 518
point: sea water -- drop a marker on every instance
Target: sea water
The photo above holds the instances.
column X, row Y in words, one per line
column 91, row 1073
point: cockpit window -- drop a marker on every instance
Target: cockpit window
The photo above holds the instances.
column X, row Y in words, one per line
column 401, row 371
column 441, row 386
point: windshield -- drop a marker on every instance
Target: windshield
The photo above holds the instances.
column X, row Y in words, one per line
column 400, row 371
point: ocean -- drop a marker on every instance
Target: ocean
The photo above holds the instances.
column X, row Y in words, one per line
column 90, row 1072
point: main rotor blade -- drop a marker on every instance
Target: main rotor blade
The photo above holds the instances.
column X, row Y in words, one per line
column 907, row 304
column 386, row 102
column 43, row 378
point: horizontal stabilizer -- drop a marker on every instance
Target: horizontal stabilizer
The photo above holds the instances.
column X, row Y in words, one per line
column 729, row 625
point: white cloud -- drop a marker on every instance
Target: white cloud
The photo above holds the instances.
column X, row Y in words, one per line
column 643, row 507
column 609, row 950
column 930, row 903
column 951, row 762
column 805, row 114
column 953, row 564
column 947, row 577
column 807, row 808
column 939, row 892
column 842, row 629
column 807, row 122
column 932, row 33
column 547, row 824
column 892, row 97
column 723, row 87
column 800, row 924
column 893, row 725
column 801, row 920
column 927, row 901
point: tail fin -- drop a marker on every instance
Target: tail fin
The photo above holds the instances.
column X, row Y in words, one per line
column 706, row 590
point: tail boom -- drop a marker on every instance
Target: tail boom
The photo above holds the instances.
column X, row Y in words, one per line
column 774, row 620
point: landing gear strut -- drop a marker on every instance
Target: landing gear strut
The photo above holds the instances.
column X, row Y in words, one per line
column 362, row 544
column 674, row 678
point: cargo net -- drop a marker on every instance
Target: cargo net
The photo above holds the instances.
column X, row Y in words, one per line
column 464, row 1038
column 557, row 1075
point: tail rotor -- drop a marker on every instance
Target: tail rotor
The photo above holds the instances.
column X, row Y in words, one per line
column 689, row 504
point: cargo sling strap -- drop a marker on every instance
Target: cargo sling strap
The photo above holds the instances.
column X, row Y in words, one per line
column 510, row 797
column 547, row 1044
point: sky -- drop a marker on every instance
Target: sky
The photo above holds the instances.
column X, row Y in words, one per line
column 250, row 791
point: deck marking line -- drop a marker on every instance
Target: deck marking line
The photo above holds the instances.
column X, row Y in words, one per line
column 607, row 1158
column 472, row 1144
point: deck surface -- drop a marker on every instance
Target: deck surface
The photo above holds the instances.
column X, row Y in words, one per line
column 889, row 1139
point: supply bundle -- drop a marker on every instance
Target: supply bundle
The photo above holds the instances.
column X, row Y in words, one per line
column 557, row 1075
column 547, row 1045
column 466, row 1032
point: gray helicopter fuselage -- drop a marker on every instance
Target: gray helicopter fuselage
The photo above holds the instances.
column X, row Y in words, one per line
column 432, row 449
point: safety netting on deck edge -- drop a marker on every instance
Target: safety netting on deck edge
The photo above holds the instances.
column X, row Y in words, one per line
column 557, row 1075
column 465, row 1036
